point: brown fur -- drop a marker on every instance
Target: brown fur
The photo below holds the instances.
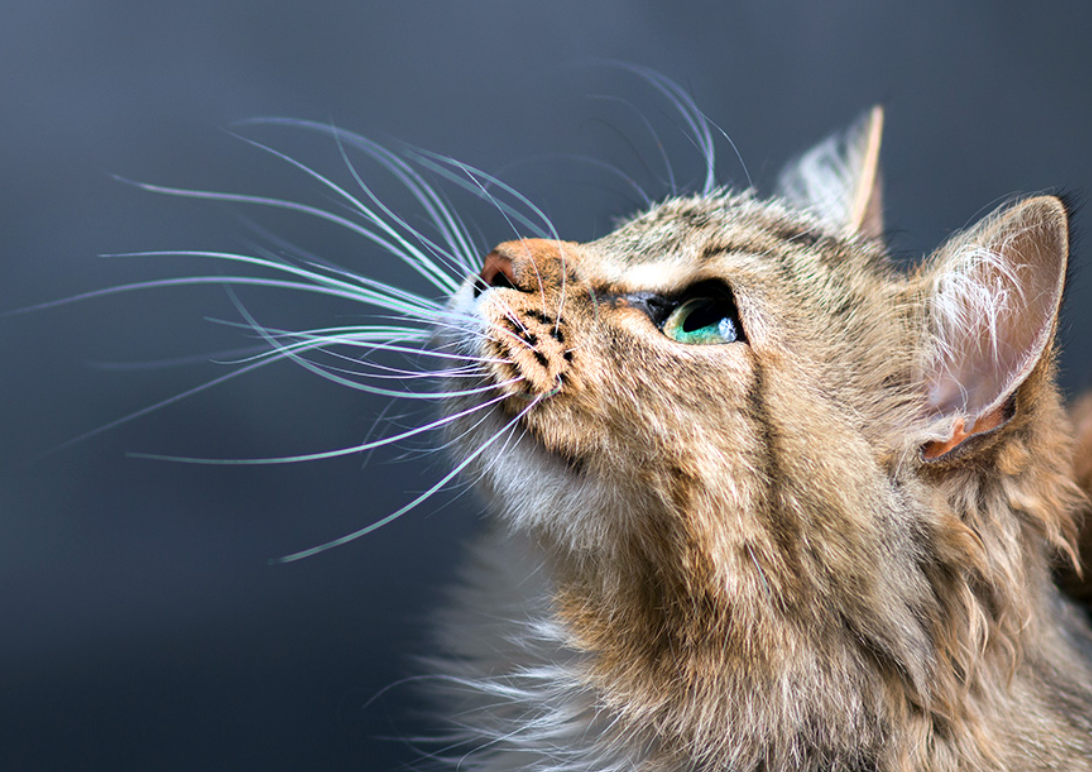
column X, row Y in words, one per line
column 1076, row 579
column 788, row 578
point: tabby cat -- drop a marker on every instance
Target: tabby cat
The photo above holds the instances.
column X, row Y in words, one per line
column 765, row 502
column 762, row 499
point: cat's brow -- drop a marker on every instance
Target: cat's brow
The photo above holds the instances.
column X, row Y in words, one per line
column 761, row 243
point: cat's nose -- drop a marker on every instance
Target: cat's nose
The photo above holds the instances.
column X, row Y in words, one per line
column 526, row 265
column 497, row 272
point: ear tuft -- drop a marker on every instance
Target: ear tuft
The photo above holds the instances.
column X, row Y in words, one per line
column 839, row 179
column 993, row 298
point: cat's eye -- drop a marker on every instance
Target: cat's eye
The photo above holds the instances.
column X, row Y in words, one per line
column 703, row 320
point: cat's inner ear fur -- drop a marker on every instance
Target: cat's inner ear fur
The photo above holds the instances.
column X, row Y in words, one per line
column 839, row 179
column 992, row 295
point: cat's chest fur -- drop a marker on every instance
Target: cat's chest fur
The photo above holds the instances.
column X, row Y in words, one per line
column 764, row 502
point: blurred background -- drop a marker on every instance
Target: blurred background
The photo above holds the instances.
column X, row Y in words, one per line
column 143, row 628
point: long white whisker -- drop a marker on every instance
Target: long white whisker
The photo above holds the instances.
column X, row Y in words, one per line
column 371, row 298
column 454, row 440
column 234, row 356
column 477, row 333
column 673, row 186
column 402, row 510
column 326, row 454
column 359, row 288
column 447, row 222
column 376, row 371
column 411, row 254
column 320, row 340
column 739, row 155
column 691, row 115
column 482, row 190
column 471, row 180
column 292, row 352
column 453, row 259
column 155, row 406
column 427, row 269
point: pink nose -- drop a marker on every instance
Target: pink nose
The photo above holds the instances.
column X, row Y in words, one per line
column 497, row 272
column 526, row 265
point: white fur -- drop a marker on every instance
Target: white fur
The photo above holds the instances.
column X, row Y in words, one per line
column 822, row 182
column 970, row 306
column 512, row 682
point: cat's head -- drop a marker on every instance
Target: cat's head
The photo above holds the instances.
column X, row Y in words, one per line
column 736, row 421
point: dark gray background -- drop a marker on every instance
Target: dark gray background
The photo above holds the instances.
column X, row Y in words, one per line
column 141, row 626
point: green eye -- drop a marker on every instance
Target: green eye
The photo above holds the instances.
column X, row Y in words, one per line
column 703, row 321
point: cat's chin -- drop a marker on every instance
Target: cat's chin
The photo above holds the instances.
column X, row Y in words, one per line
column 513, row 441
column 562, row 499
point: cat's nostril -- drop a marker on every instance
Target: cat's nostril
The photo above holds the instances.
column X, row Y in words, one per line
column 497, row 272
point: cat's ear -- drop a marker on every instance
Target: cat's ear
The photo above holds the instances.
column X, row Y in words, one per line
column 839, row 179
column 992, row 295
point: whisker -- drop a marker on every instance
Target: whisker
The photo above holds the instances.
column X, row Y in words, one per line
column 411, row 254
column 510, row 315
column 739, row 155
column 672, row 184
column 425, row 268
column 292, row 351
column 440, row 213
column 322, row 455
column 481, row 189
column 349, row 286
column 233, row 356
column 692, row 116
column 411, row 505
column 153, row 407
column 471, row 180
column 454, row 259
column 403, row 302
column 440, row 447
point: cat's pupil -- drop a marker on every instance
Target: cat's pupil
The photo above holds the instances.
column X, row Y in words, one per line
column 705, row 313
column 703, row 320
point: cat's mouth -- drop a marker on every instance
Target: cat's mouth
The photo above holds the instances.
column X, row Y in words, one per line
column 528, row 351
column 525, row 354
column 521, row 341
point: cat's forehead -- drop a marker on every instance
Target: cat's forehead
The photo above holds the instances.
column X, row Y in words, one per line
column 683, row 237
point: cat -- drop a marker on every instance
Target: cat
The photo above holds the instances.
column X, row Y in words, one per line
column 760, row 498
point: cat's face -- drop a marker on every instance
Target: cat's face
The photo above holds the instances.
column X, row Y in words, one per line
column 671, row 358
